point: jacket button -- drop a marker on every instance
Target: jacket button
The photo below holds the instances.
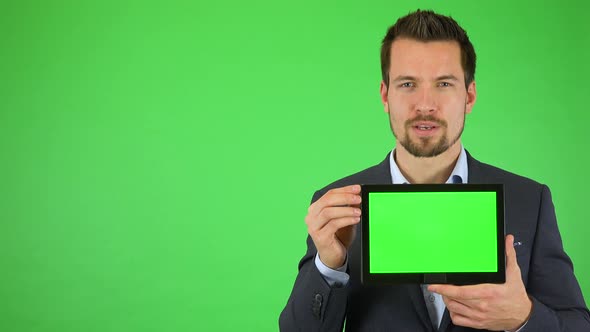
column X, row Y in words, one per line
column 316, row 305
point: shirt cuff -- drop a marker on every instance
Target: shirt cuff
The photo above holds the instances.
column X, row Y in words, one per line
column 520, row 328
column 334, row 278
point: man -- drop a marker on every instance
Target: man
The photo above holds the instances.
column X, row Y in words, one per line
column 428, row 67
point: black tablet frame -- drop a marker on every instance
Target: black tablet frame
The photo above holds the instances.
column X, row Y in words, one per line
column 457, row 278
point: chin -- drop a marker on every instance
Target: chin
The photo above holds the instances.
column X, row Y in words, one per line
column 428, row 150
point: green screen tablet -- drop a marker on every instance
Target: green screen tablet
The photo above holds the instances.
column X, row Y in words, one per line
column 443, row 233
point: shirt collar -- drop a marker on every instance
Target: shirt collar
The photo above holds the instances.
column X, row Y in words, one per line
column 458, row 175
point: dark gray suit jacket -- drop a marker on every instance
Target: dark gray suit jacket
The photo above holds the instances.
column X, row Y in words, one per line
column 547, row 272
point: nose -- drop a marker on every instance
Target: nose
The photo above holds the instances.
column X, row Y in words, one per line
column 426, row 102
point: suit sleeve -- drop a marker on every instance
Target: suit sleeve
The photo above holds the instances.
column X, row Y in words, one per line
column 313, row 305
column 558, row 304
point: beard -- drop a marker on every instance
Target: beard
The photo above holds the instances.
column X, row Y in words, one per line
column 425, row 147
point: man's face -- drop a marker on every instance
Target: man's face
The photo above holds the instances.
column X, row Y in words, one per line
column 426, row 99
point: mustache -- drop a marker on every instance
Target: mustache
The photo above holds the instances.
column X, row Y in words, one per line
column 427, row 118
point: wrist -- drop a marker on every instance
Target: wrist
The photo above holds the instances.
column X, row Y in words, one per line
column 332, row 263
column 527, row 315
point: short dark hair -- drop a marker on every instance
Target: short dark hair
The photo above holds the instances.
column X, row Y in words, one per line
column 425, row 26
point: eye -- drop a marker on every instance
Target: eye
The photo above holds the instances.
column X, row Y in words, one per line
column 407, row 85
column 444, row 84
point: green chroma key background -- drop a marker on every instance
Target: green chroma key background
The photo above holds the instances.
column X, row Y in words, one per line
column 158, row 157
column 431, row 236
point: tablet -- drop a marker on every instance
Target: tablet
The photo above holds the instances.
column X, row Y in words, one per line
column 432, row 234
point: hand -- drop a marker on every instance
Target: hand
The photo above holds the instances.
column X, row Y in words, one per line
column 490, row 306
column 331, row 223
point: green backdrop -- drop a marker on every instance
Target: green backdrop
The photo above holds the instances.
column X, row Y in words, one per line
column 158, row 157
column 455, row 242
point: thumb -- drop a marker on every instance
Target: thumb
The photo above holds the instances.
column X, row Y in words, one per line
column 512, row 269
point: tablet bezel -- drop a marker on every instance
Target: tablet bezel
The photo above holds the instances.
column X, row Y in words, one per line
column 457, row 278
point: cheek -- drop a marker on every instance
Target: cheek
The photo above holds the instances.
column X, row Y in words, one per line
column 457, row 121
column 398, row 106
column 455, row 110
column 450, row 101
column 403, row 101
column 396, row 116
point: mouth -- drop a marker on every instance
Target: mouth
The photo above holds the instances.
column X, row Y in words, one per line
column 424, row 128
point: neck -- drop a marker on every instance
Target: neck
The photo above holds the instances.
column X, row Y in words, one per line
column 427, row 170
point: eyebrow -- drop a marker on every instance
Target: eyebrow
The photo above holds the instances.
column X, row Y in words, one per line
column 448, row 77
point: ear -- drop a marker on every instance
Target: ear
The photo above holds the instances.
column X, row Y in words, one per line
column 383, row 93
column 471, row 97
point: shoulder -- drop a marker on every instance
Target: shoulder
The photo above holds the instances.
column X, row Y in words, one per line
column 515, row 185
column 494, row 172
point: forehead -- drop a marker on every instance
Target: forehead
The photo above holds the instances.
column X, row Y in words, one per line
column 425, row 59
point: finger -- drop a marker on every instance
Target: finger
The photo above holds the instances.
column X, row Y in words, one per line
column 458, row 307
column 512, row 268
column 335, row 224
column 510, row 245
column 466, row 321
column 330, row 213
column 341, row 199
column 462, row 293
column 339, row 212
column 354, row 189
column 331, row 199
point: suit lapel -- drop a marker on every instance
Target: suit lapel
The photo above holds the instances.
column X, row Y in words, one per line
column 445, row 321
column 475, row 173
column 382, row 173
